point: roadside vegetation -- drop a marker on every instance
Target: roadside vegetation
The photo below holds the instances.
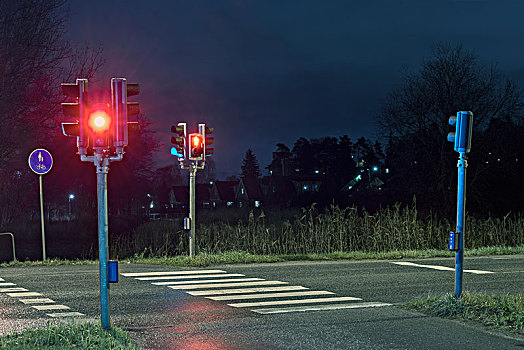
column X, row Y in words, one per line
column 74, row 335
column 501, row 312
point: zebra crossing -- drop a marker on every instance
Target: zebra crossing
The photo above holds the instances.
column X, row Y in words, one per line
column 255, row 294
column 37, row 301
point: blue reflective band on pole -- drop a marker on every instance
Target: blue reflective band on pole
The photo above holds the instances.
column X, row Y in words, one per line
column 113, row 271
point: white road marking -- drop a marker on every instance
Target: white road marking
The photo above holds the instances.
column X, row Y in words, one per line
column 2, row 280
column 294, row 301
column 65, row 314
column 318, row 308
column 245, row 290
column 24, row 294
column 37, row 301
column 221, row 285
column 167, row 273
column 51, row 307
column 441, row 268
column 270, row 295
column 7, row 290
column 6, row 284
column 208, row 281
column 188, row 277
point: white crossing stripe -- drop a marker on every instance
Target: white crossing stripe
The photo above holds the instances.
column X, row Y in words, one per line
column 294, row 301
column 37, row 301
column 7, row 290
column 51, row 307
column 441, row 268
column 65, row 314
column 270, row 295
column 24, row 294
column 221, row 285
column 245, row 290
column 318, row 308
column 7, row 284
column 187, row 277
column 208, row 281
column 167, row 273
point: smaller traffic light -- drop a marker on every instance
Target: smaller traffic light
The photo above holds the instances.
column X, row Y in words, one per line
column 179, row 141
column 206, row 132
column 461, row 137
column 196, row 147
column 99, row 123
column 78, row 110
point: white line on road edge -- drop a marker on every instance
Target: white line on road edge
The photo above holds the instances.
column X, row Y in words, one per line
column 208, row 281
column 166, row 273
column 270, row 295
column 7, row 284
column 294, row 301
column 27, row 294
column 37, row 301
column 65, row 314
column 221, row 285
column 51, row 307
column 245, row 290
column 441, row 268
column 7, row 290
column 183, row 277
column 318, row 308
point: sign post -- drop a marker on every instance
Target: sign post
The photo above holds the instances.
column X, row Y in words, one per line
column 40, row 162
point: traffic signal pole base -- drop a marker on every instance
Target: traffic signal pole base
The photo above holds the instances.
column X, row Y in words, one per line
column 461, row 218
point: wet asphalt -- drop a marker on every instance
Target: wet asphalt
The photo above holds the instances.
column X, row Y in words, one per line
column 158, row 317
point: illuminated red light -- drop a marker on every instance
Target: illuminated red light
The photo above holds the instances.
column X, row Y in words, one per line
column 196, row 140
column 99, row 121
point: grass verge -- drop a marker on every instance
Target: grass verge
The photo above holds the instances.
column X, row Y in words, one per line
column 241, row 257
column 501, row 312
column 79, row 336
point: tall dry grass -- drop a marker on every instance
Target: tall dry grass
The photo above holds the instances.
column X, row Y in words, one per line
column 313, row 231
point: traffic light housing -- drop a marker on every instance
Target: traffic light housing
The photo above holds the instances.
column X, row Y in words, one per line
column 79, row 111
column 206, row 132
column 179, row 141
column 196, row 146
column 461, row 137
column 122, row 110
column 100, row 123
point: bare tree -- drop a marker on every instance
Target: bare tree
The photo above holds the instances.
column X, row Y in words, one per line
column 34, row 58
column 415, row 116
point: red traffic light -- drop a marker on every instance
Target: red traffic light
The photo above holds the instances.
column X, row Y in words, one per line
column 99, row 121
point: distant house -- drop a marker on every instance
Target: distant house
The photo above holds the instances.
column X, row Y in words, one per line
column 277, row 190
column 307, row 184
column 181, row 194
column 222, row 194
column 248, row 192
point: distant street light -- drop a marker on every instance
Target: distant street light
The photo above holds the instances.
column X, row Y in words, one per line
column 71, row 196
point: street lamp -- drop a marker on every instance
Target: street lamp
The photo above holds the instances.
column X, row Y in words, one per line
column 71, row 196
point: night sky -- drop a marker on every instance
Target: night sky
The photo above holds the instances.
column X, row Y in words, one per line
column 264, row 72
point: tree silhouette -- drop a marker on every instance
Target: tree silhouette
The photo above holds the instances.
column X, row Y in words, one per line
column 250, row 167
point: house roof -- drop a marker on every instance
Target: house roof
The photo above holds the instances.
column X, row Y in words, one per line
column 252, row 188
column 224, row 190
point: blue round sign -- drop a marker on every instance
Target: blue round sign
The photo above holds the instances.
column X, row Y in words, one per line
column 40, row 161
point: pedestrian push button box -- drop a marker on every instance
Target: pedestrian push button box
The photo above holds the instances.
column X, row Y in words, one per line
column 113, row 271
column 454, row 241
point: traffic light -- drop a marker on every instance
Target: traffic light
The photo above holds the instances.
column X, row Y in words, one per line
column 196, row 147
column 77, row 110
column 206, row 131
column 463, row 123
column 99, row 123
column 179, row 141
column 122, row 110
